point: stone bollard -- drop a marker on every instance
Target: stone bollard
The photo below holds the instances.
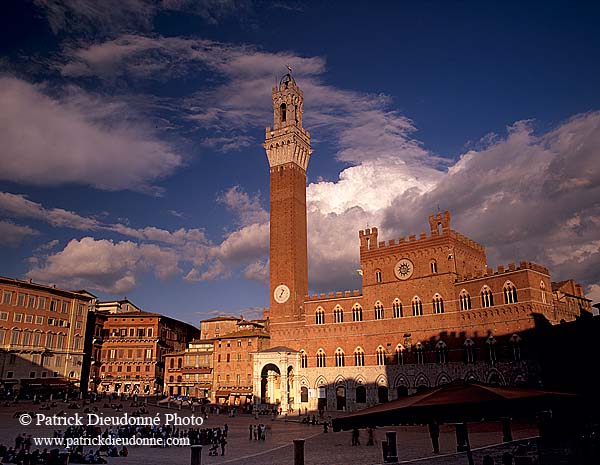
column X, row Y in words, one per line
column 392, row 451
column 196, row 455
column 298, row 451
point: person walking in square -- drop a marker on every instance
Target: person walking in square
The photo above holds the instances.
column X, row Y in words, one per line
column 355, row 437
column 223, row 441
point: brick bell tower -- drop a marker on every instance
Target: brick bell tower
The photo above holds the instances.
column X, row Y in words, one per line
column 287, row 145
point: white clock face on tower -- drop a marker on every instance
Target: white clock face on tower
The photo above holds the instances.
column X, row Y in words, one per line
column 281, row 294
column 404, row 269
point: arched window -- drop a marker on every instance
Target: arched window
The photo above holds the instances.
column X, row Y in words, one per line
column 304, row 394
column 338, row 314
column 378, row 311
column 419, row 353
column 357, row 313
column 441, row 352
column 303, row 359
column 320, row 316
column 515, row 342
column 282, row 109
column 378, row 276
column 417, row 306
column 359, row 357
column 171, row 379
column 438, row 304
column 339, row 357
column 487, row 298
column 179, row 379
column 543, row 291
column 361, row 395
column 397, row 306
column 380, row 356
column 491, row 346
column 321, row 359
column 400, row 354
column 179, row 363
column 469, row 350
column 433, row 266
column 465, row 300
column 510, row 293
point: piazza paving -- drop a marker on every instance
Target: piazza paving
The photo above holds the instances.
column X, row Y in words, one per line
column 320, row 448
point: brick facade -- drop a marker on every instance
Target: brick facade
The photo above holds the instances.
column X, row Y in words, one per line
column 430, row 310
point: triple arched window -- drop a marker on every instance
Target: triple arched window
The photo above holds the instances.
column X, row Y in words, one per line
column 379, row 313
column 400, row 354
column 417, row 306
column 339, row 357
column 320, row 316
column 487, row 298
column 441, row 352
column 465, row 300
column 338, row 314
column 359, row 357
column 515, row 342
column 438, row 304
column 357, row 313
column 419, row 353
column 469, row 349
column 321, row 358
column 303, row 359
column 397, row 307
column 380, row 356
column 510, row 293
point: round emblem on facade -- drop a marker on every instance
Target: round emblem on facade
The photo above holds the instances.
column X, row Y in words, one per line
column 404, row 269
column 281, row 294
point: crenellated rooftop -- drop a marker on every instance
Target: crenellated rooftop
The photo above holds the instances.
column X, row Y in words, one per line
column 369, row 242
column 501, row 269
column 333, row 295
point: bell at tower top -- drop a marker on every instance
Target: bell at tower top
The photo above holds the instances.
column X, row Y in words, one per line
column 288, row 103
column 287, row 141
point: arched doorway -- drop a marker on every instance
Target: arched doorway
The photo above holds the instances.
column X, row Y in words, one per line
column 382, row 394
column 340, row 395
column 421, row 388
column 361, row 395
column 270, row 384
column 402, row 391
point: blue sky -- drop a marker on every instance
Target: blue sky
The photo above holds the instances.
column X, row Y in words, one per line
column 131, row 136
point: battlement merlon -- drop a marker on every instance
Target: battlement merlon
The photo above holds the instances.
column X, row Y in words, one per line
column 439, row 223
column 368, row 239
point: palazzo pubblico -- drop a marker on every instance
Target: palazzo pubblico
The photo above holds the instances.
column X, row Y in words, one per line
column 430, row 310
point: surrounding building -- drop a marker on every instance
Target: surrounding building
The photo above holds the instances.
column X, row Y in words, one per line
column 233, row 363
column 190, row 372
column 430, row 310
column 132, row 349
column 42, row 337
